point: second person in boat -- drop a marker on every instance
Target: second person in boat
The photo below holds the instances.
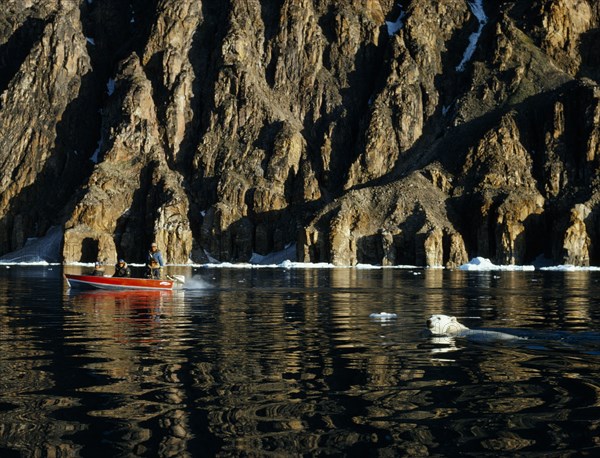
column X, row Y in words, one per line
column 155, row 262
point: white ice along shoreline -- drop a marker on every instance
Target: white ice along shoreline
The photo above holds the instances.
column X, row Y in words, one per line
column 47, row 250
column 478, row 264
column 477, row 9
column 485, row 265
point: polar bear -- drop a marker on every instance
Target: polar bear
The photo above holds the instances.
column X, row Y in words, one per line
column 444, row 325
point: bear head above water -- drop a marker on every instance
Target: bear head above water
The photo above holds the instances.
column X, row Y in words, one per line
column 445, row 325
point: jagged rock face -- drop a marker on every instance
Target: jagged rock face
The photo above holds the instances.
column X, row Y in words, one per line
column 41, row 95
column 132, row 173
column 362, row 227
column 408, row 97
column 362, row 130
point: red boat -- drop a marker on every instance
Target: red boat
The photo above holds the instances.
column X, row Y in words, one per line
column 119, row 283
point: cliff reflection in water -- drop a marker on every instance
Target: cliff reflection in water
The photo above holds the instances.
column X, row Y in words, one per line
column 289, row 362
column 132, row 343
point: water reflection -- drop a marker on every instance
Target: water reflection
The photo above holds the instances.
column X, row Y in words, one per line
column 124, row 316
column 130, row 340
column 288, row 362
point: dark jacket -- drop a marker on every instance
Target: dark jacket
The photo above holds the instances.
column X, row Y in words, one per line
column 122, row 271
column 98, row 270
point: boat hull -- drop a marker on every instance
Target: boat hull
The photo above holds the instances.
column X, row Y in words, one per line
column 118, row 283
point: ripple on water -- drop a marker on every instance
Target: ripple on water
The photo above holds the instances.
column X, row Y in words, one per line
column 293, row 362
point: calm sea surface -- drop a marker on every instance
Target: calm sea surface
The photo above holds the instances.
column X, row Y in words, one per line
column 289, row 362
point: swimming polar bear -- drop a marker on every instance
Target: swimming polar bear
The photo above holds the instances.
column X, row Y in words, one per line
column 444, row 325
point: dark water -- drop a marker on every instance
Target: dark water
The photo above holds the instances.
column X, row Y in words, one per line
column 275, row 362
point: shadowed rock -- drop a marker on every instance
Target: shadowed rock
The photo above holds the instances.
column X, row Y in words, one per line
column 242, row 127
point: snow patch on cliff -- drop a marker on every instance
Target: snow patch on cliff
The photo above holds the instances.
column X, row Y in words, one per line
column 394, row 27
column 96, row 154
column 289, row 252
column 477, row 9
column 110, row 87
column 38, row 250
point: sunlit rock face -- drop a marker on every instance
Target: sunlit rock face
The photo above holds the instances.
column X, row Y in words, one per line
column 362, row 131
column 133, row 172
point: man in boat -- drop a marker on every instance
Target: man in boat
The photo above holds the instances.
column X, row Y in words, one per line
column 122, row 269
column 155, row 262
column 98, row 269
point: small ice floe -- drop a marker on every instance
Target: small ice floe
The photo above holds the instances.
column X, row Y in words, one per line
column 383, row 316
column 485, row 265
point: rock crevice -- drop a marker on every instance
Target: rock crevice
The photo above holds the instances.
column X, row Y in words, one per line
column 228, row 129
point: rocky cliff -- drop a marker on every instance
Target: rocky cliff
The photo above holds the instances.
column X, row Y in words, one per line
column 364, row 131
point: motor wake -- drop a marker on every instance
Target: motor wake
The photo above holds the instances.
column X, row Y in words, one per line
column 195, row 283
